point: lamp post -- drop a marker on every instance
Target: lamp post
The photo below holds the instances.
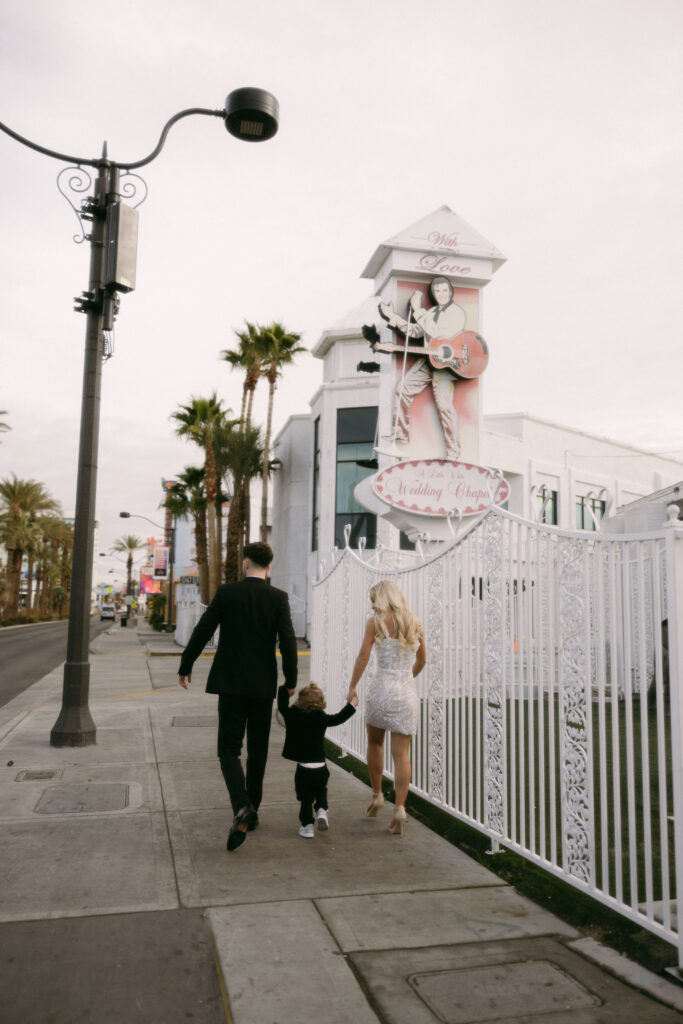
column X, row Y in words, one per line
column 250, row 115
column 171, row 560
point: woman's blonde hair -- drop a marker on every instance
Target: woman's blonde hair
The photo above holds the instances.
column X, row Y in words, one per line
column 390, row 602
column 311, row 698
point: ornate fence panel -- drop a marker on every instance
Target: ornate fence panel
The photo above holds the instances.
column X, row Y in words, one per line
column 550, row 715
column 298, row 610
column 189, row 610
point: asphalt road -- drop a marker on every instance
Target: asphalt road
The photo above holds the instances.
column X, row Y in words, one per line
column 29, row 652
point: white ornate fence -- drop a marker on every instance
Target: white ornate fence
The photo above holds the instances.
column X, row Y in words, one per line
column 550, row 714
column 297, row 608
column 189, row 610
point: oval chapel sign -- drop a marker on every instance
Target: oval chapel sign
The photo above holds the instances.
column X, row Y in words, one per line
column 437, row 487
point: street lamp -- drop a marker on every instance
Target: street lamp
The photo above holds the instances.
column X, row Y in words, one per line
column 250, row 115
column 171, row 560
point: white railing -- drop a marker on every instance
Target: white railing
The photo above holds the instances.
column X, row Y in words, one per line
column 297, row 608
column 550, row 715
column 189, row 610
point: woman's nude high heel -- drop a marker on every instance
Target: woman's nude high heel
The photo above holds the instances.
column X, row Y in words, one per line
column 375, row 804
column 397, row 822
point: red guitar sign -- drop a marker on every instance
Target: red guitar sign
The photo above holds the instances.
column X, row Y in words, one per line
column 466, row 355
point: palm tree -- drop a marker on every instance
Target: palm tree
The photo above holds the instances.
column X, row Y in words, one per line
column 222, row 498
column 18, row 535
column 225, row 443
column 3, row 589
column 66, row 545
column 278, row 347
column 34, row 540
column 243, row 455
column 247, row 358
column 41, row 554
column 4, row 426
column 200, row 422
column 20, row 502
column 46, row 528
column 128, row 545
column 186, row 497
column 52, row 537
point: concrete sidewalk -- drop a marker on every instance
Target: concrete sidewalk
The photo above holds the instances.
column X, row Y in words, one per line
column 120, row 902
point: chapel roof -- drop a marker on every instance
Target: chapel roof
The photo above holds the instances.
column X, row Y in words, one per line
column 442, row 231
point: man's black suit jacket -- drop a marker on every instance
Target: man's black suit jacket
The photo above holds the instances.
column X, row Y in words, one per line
column 252, row 616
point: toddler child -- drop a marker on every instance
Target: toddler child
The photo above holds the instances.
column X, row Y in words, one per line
column 305, row 725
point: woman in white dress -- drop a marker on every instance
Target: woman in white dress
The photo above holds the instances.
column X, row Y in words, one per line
column 391, row 702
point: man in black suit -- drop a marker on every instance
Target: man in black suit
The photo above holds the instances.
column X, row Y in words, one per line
column 252, row 616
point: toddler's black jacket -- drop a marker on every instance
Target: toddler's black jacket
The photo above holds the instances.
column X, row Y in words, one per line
column 305, row 730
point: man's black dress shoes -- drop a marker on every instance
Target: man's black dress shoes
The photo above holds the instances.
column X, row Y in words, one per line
column 245, row 817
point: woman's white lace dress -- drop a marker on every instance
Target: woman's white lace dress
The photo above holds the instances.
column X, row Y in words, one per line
column 391, row 701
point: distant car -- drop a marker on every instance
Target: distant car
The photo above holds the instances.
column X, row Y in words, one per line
column 107, row 611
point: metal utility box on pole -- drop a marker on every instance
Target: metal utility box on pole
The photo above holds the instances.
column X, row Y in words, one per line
column 122, row 247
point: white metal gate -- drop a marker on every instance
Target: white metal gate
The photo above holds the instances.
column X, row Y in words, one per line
column 550, row 715
column 189, row 611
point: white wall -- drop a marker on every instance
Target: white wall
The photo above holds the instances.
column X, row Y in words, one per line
column 571, row 462
column 292, row 488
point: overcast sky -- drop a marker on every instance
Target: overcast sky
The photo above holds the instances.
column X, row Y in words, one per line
column 553, row 128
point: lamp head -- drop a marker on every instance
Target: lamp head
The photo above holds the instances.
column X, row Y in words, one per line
column 252, row 114
column 124, row 515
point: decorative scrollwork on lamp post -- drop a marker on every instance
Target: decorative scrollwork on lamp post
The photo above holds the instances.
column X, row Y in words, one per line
column 76, row 181
column 133, row 186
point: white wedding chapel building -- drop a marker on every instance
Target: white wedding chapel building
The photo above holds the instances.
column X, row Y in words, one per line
column 554, row 473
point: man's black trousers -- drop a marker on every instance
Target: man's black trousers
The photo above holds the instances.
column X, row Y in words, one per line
column 237, row 715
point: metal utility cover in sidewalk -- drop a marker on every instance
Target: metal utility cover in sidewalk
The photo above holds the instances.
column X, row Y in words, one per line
column 500, row 991
column 38, row 775
column 531, row 979
column 83, row 799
